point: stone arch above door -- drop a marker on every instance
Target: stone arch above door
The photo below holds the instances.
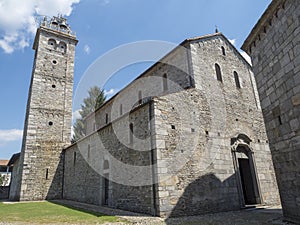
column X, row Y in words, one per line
column 245, row 170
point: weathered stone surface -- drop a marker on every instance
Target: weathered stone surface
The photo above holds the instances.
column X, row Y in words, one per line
column 190, row 127
column 281, row 22
column 48, row 118
column 171, row 143
column 84, row 174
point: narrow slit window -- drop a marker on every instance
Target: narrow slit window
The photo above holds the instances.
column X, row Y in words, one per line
column 74, row 159
column 121, row 110
column 140, row 97
column 237, row 80
column 165, row 82
column 131, row 133
column 279, row 120
column 89, row 152
column 106, row 118
column 218, row 72
column 47, row 174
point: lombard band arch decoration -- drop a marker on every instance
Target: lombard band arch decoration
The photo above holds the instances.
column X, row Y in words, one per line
column 245, row 170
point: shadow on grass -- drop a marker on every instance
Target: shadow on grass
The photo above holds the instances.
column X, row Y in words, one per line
column 78, row 208
column 97, row 210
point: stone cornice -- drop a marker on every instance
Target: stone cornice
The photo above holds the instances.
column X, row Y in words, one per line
column 262, row 24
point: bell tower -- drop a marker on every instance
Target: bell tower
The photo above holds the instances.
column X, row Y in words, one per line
column 47, row 128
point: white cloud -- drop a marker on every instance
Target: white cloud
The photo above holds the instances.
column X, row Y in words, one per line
column 232, row 41
column 247, row 57
column 72, row 132
column 54, row 7
column 10, row 135
column 110, row 92
column 17, row 19
column 6, row 47
column 87, row 49
column 76, row 115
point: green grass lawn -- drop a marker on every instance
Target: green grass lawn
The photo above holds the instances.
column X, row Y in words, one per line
column 46, row 213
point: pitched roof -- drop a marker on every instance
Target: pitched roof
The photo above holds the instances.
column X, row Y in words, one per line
column 13, row 159
column 3, row 162
column 208, row 36
column 183, row 43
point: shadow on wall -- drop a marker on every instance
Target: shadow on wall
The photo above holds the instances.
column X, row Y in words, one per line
column 56, row 179
column 207, row 194
column 4, row 192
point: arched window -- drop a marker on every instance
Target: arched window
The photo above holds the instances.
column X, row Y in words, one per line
column 218, row 72
column 130, row 133
column 165, row 82
column 52, row 43
column 140, row 97
column 223, row 50
column 236, row 78
column 62, row 46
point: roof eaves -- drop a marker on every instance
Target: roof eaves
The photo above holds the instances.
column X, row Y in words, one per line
column 262, row 22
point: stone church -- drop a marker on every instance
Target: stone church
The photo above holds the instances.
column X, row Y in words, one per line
column 186, row 137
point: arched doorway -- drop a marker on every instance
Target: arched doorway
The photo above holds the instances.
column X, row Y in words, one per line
column 245, row 171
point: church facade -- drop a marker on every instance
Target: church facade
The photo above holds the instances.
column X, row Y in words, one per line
column 186, row 137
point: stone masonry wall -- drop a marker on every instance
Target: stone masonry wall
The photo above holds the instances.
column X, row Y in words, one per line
column 174, row 66
column 48, row 117
column 109, row 153
column 275, row 53
column 193, row 131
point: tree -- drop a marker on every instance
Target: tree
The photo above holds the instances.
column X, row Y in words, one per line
column 95, row 99
column 3, row 180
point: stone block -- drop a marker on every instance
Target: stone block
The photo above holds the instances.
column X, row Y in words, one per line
column 296, row 100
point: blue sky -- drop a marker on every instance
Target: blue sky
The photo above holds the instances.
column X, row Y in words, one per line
column 100, row 26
